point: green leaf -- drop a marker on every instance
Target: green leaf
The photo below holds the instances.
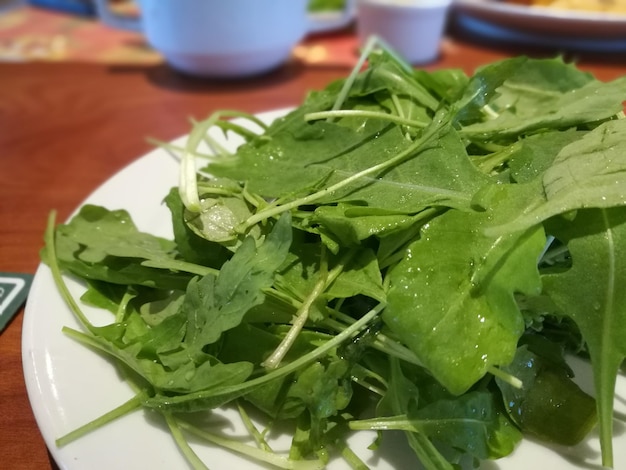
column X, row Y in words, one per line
column 590, row 172
column 471, row 423
column 104, row 245
column 222, row 208
column 401, row 396
column 401, row 393
column 351, row 224
column 324, row 388
column 190, row 245
column 436, row 171
column 393, row 77
column 104, row 295
column 538, row 153
column 549, row 405
column 216, row 304
column 361, row 276
column 190, row 377
column 596, row 240
column 476, row 324
column 541, row 94
column 104, row 233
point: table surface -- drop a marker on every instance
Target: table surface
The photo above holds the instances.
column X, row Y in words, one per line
column 66, row 127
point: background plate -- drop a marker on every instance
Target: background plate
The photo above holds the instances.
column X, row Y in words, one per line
column 550, row 23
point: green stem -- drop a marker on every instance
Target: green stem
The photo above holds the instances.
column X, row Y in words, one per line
column 360, row 374
column 506, row 377
column 489, row 112
column 491, row 162
column 176, row 148
column 365, row 114
column 606, row 366
column 122, row 410
column 252, row 430
column 183, row 266
column 205, row 188
column 302, row 315
column 53, row 264
column 188, row 184
column 253, row 452
column 182, row 443
column 428, row 454
column 352, row 459
column 347, row 85
column 225, row 394
column 265, row 214
column 382, row 343
column 400, row 111
column 123, row 306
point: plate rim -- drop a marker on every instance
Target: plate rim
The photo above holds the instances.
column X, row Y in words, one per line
column 549, row 21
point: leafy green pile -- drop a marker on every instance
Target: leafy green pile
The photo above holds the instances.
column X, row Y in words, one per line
column 407, row 250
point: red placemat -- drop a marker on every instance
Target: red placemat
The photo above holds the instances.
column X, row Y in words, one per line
column 30, row 33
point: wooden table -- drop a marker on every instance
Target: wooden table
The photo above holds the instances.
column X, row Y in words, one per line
column 65, row 128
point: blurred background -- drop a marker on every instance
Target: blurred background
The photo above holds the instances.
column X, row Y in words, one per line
column 79, row 101
column 58, row 30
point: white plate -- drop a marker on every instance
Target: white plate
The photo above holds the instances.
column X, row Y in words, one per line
column 565, row 30
column 69, row 385
column 548, row 21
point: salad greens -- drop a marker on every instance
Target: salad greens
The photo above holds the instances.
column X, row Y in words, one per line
column 407, row 250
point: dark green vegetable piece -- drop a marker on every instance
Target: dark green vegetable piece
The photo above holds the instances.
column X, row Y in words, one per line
column 550, row 405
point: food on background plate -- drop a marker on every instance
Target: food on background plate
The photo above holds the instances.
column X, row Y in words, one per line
column 326, row 5
column 407, row 250
column 597, row 6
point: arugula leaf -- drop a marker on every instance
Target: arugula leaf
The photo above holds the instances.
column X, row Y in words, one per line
column 191, row 246
column 403, row 395
column 533, row 95
column 589, row 172
column 104, row 245
column 216, row 304
column 432, row 170
column 105, row 233
column 538, row 152
column 477, row 324
column 471, row 424
column 351, row 224
column 388, row 75
column 324, row 389
column 596, row 239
